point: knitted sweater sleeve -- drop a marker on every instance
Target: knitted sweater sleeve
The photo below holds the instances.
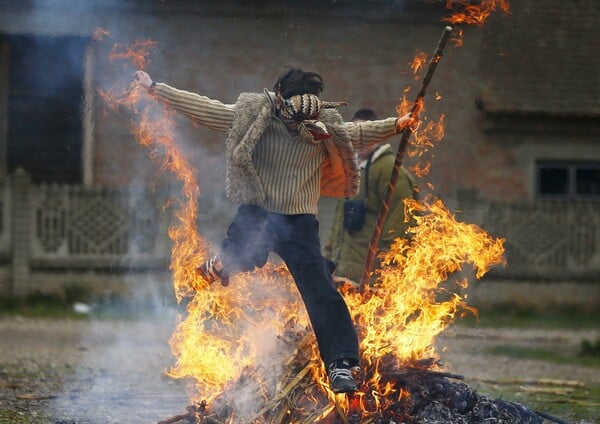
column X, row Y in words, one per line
column 200, row 109
column 367, row 133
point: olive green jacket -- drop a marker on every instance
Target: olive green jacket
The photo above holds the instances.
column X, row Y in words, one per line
column 348, row 249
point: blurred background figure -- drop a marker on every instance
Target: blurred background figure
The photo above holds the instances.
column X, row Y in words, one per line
column 354, row 219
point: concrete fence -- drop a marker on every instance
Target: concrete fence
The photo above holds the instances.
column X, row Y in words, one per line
column 54, row 234
column 550, row 240
column 57, row 230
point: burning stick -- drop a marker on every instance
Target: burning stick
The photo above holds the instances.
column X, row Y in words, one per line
column 406, row 132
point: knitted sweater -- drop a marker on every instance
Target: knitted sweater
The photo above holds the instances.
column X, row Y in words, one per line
column 267, row 165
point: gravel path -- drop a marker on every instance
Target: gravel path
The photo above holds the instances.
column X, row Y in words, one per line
column 77, row 372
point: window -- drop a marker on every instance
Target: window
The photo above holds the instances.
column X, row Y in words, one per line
column 568, row 179
column 44, row 107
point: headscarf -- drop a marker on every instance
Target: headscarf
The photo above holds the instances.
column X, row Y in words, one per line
column 301, row 113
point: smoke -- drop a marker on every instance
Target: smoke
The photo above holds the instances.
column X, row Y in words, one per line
column 215, row 211
column 118, row 376
column 250, row 393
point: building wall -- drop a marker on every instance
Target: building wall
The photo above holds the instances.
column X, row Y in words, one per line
column 362, row 62
column 363, row 52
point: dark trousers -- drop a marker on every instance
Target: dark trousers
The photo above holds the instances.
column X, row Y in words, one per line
column 254, row 232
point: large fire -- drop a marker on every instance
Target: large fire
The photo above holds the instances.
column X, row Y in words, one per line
column 241, row 336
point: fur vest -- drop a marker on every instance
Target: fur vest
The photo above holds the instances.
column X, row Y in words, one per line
column 253, row 113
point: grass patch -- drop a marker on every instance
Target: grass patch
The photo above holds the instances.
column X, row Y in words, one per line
column 568, row 402
column 38, row 306
column 108, row 306
column 590, row 348
column 15, row 417
column 545, row 355
column 18, row 379
column 523, row 316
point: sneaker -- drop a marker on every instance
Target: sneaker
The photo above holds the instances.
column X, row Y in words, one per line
column 210, row 273
column 340, row 377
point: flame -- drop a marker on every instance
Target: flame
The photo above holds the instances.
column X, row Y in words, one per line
column 474, row 14
column 402, row 313
column 137, row 52
column 418, row 62
column 415, row 296
column 457, row 38
column 219, row 343
column 424, row 140
column 99, row 34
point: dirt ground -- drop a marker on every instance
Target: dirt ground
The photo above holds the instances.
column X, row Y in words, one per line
column 93, row 371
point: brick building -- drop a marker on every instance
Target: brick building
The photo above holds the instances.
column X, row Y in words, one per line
column 520, row 89
column 520, row 96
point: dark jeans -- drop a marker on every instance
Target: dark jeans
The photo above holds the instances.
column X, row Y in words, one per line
column 295, row 238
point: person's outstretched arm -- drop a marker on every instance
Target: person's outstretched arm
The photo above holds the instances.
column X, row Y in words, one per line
column 366, row 133
column 200, row 109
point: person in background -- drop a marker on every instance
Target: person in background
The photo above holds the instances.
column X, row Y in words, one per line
column 284, row 149
column 355, row 218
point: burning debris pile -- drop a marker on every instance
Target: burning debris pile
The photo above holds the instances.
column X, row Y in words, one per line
column 237, row 342
column 414, row 393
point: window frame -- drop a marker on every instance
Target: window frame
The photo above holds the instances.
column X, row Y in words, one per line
column 572, row 166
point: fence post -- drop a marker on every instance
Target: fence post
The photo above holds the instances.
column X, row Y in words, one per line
column 21, row 212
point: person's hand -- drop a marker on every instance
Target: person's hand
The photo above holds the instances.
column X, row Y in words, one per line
column 406, row 122
column 143, row 79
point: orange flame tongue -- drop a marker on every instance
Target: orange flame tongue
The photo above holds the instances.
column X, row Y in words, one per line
column 405, row 310
column 474, row 14
column 136, row 52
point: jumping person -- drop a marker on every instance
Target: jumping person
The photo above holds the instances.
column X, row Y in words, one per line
column 284, row 149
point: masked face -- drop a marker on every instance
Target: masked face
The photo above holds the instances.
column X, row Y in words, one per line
column 300, row 108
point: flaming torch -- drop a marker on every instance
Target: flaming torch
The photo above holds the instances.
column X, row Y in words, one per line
column 406, row 132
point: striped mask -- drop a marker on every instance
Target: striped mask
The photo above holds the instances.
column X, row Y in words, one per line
column 300, row 108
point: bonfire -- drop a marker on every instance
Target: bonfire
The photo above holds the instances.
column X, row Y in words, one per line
column 278, row 377
column 287, row 383
column 247, row 349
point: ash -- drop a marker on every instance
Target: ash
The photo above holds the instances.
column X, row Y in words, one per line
column 437, row 399
column 429, row 397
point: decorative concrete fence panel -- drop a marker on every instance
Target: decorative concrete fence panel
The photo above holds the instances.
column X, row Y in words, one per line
column 545, row 239
column 61, row 229
column 65, row 228
column 549, row 239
